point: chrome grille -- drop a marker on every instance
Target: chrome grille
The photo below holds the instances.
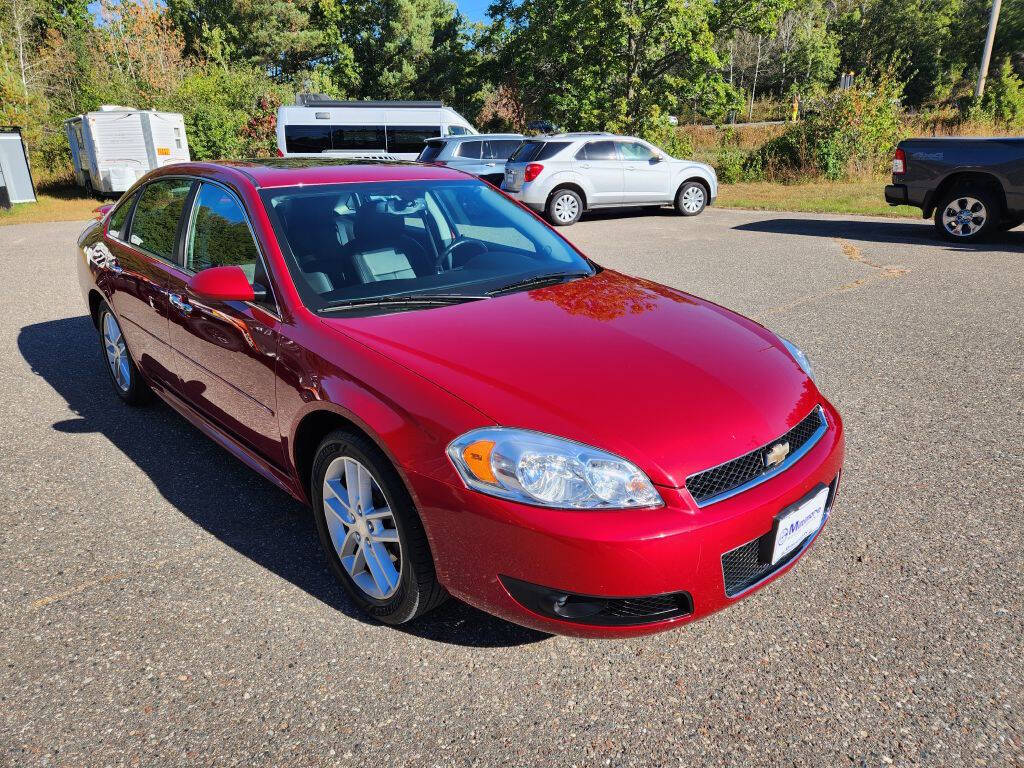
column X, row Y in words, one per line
column 722, row 481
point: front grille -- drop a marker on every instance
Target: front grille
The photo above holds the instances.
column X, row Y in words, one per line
column 707, row 485
column 655, row 608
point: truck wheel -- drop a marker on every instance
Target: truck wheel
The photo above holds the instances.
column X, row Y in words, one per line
column 967, row 214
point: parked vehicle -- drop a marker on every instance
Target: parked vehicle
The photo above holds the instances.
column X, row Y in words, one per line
column 483, row 155
column 972, row 187
column 114, row 147
column 565, row 174
column 468, row 403
column 317, row 125
column 16, row 185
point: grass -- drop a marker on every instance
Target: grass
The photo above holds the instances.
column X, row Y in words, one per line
column 864, row 197
column 55, row 201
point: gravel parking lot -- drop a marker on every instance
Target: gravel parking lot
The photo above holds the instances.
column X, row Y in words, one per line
column 164, row 605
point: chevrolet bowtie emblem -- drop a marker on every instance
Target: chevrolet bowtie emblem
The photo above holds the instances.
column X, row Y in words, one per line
column 776, row 455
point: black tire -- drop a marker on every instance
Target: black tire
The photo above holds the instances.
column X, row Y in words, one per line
column 983, row 205
column 691, row 199
column 564, row 207
column 135, row 391
column 418, row 590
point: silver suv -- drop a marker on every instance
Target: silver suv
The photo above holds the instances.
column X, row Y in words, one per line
column 482, row 154
column 565, row 174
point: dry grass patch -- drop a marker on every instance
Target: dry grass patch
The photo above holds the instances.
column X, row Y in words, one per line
column 864, row 197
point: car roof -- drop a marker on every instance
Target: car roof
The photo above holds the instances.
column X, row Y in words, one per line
column 478, row 136
column 293, row 171
column 580, row 136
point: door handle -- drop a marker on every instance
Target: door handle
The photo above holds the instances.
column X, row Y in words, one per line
column 179, row 304
column 490, row 165
column 584, row 165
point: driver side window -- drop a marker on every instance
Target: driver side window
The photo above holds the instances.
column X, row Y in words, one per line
column 219, row 236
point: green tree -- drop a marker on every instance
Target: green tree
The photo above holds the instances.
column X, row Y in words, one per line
column 1004, row 96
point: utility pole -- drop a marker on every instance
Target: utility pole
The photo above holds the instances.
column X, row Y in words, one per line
column 986, row 54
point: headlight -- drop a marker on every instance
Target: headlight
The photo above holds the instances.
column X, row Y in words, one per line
column 535, row 468
column 800, row 357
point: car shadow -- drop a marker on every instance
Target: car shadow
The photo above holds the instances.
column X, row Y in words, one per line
column 217, row 492
column 875, row 231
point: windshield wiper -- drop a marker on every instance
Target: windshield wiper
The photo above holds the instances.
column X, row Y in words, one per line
column 404, row 299
column 537, row 281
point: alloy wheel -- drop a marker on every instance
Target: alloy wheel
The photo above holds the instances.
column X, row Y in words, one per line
column 362, row 528
column 692, row 199
column 566, row 208
column 117, row 353
column 964, row 216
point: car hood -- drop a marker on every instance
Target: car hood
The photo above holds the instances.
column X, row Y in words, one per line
column 671, row 382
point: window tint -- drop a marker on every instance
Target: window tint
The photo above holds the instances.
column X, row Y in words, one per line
column 359, row 137
column 118, row 219
column 307, row 138
column 469, row 150
column 410, row 138
column 526, row 152
column 500, row 149
column 634, row 151
column 431, row 152
column 219, row 235
column 550, row 149
column 598, row 150
column 457, row 130
column 156, row 217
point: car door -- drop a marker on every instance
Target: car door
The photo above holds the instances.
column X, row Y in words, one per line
column 599, row 162
column 226, row 351
column 142, row 256
column 647, row 175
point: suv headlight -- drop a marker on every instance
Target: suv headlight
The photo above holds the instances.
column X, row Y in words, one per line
column 535, row 468
column 800, row 358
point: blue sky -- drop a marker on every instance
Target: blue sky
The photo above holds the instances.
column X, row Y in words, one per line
column 474, row 10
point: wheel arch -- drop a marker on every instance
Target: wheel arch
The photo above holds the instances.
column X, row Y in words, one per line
column 986, row 180
column 95, row 300
column 700, row 180
column 578, row 189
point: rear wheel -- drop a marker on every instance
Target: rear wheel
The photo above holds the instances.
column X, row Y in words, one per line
column 564, row 207
column 370, row 530
column 691, row 199
column 128, row 383
column 967, row 214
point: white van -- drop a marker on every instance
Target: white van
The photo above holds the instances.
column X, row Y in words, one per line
column 114, row 146
column 316, row 125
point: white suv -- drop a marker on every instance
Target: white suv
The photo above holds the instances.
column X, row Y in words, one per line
column 565, row 174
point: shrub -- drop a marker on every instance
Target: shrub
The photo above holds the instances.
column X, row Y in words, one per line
column 729, row 163
column 1004, row 97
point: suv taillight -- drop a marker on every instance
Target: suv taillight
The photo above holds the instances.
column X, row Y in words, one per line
column 899, row 162
column 279, row 152
column 532, row 171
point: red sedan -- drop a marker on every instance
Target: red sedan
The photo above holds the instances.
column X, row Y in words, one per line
column 469, row 404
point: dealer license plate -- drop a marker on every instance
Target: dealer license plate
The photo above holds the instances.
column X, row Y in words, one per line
column 795, row 525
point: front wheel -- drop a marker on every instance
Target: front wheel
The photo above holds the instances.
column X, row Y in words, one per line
column 370, row 530
column 967, row 214
column 128, row 383
column 564, row 207
column 691, row 199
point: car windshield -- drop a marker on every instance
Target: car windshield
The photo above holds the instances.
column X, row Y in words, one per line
column 352, row 244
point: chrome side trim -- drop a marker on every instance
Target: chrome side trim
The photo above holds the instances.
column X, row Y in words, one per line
column 792, row 459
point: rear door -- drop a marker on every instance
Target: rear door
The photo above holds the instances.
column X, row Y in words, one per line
column 599, row 161
column 142, row 250
column 646, row 176
column 226, row 352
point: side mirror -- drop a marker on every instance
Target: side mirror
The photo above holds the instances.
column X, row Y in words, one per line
column 221, row 284
column 655, row 160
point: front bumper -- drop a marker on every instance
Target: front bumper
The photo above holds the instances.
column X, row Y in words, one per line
column 477, row 541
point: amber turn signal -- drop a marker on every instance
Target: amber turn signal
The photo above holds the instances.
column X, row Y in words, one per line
column 477, row 456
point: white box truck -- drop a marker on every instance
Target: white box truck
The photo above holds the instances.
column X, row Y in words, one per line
column 114, row 146
column 397, row 130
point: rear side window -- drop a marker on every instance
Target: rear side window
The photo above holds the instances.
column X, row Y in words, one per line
column 469, row 150
column 598, row 150
column 410, row 138
column 431, row 152
column 155, row 222
column 500, row 149
column 358, row 137
column 119, row 218
column 307, row 138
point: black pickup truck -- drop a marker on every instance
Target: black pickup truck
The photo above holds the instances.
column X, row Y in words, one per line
column 973, row 187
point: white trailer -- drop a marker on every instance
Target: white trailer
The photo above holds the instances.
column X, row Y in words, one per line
column 317, row 125
column 114, row 146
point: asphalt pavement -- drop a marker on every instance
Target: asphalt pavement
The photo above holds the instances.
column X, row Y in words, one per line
column 163, row 605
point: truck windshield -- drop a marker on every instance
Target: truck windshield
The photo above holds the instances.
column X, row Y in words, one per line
column 348, row 244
